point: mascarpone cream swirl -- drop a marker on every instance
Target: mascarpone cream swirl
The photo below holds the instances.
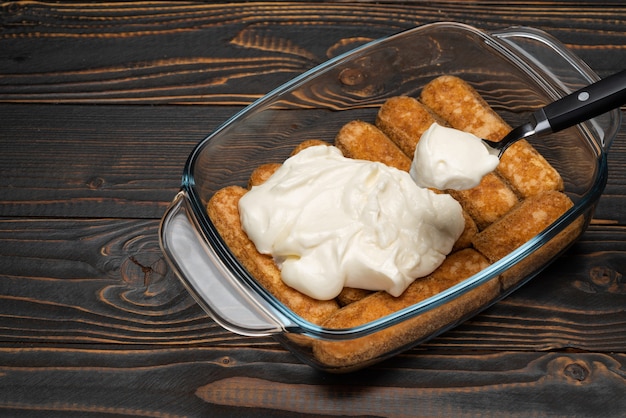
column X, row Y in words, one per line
column 331, row 222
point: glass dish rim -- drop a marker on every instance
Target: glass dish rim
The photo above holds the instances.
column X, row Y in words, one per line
column 301, row 326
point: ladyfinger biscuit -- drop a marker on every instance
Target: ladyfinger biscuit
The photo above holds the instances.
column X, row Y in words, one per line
column 364, row 141
column 262, row 173
column 522, row 223
column 265, row 171
column 457, row 267
column 308, row 143
column 463, row 108
column 223, row 211
column 403, row 119
column 471, row 229
column 527, row 171
column 487, row 202
column 350, row 295
column 548, row 251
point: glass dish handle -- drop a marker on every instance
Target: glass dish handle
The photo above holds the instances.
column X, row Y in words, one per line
column 562, row 71
column 210, row 282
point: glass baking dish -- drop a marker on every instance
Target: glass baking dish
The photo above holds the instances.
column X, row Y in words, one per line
column 516, row 70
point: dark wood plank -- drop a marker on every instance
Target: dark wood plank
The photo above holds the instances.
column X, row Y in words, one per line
column 232, row 53
column 221, row 382
column 97, row 161
column 105, row 281
column 93, row 281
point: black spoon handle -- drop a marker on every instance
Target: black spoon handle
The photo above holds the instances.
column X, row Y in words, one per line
column 584, row 104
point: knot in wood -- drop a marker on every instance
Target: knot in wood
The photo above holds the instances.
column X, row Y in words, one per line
column 143, row 275
column 352, row 76
column 13, row 9
column 607, row 280
column 576, row 372
column 95, row 183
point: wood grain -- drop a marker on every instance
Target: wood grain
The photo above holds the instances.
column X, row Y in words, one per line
column 106, row 281
column 213, row 380
column 97, row 161
column 233, row 53
column 127, row 161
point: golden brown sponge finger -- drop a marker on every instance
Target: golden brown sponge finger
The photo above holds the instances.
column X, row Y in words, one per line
column 404, row 119
column 262, row 173
column 350, row 295
column 223, row 211
column 460, row 105
column 488, row 201
column 364, row 141
column 457, row 267
column 265, row 171
column 308, row 143
column 470, row 230
column 525, row 169
column 528, row 171
column 526, row 220
column 548, row 251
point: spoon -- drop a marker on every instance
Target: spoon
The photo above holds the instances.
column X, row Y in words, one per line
column 584, row 104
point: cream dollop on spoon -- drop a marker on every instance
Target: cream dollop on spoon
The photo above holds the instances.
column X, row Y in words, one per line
column 451, row 159
column 446, row 158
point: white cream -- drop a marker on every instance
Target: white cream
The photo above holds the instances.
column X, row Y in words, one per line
column 330, row 222
column 447, row 158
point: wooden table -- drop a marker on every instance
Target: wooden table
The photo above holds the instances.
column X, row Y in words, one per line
column 100, row 105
